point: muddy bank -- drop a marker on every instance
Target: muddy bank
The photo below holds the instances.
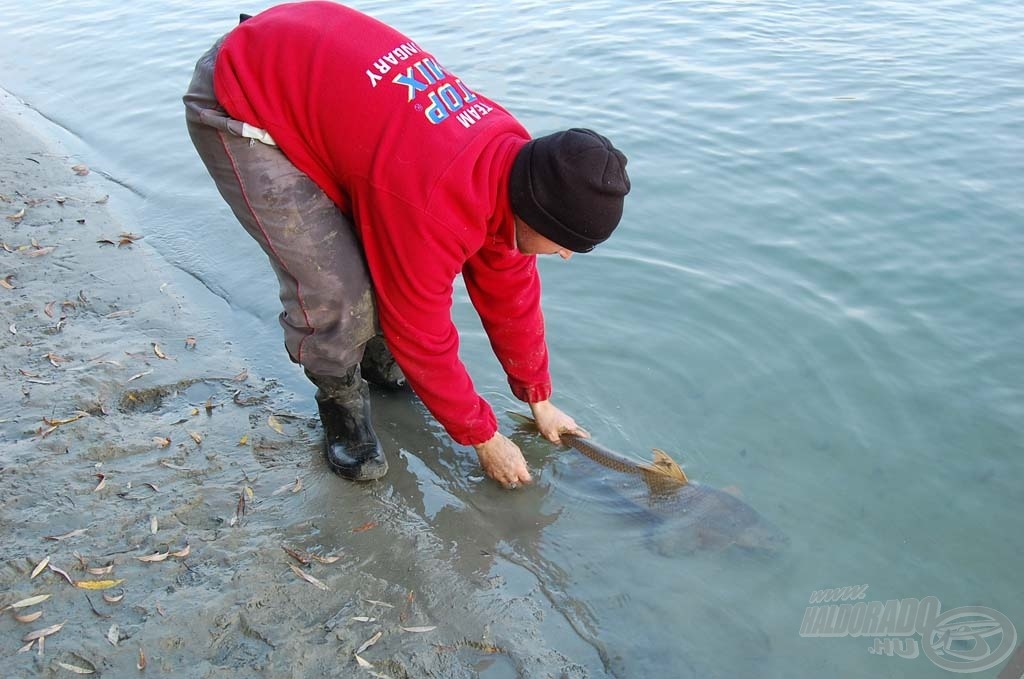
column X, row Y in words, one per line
column 130, row 428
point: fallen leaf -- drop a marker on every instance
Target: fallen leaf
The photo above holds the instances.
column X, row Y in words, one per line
column 242, row 441
column 81, row 559
column 142, row 374
column 13, row 329
column 156, row 488
column 365, row 527
column 154, row 525
column 66, row 420
column 325, row 559
column 65, row 536
column 76, row 669
column 48, row 309
column 17, row 216
column 309, row 578
column 361, row 662
column 39, row 568
column 178, row 467
column 379, row 603
column 190, row 342
column 370, row 642
column 25, row 603
column 106, row 241
column 54, row 360
column 101, row 484
column 97, row 584
column 293, row 487
column 28, row 617
column 194, row 412
column 156, row 556
column 27, row 647
column 363, row 618
column 113, row 598
column 141, row 665
column 161, row 441
column 209, row 405
column 6, row 281
column 39, row 252
column 80, row 170
column 301, row 557
column 250, row 494
column 61, row 573
column 156, row 350
column 420, row 630
column 196, row 437
column 242, row 376
column 40, row 633
column 113, row 636
column 101, row 570
column 275, row 424
column 183, row 552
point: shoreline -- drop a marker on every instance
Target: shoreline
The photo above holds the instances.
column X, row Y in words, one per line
column 133, row 432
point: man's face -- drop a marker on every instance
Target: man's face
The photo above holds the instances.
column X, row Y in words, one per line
column 529, row 242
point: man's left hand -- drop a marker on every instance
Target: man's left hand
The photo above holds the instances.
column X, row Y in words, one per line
column 552, row 422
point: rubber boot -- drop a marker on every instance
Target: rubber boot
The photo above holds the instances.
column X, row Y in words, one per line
column 379, row 366
column 353, row 450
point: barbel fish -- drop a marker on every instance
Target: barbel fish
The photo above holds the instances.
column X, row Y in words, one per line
column 701, row 516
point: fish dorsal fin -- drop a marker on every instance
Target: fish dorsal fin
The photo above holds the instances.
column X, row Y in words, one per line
column 668, row 467
column 523, row 421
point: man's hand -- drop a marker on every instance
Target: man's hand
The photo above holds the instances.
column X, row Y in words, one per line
column 552, row 422
column 503, row 461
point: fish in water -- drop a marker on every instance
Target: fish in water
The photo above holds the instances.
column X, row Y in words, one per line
column 700, row 516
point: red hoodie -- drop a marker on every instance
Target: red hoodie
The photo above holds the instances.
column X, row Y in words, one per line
column 421, row 162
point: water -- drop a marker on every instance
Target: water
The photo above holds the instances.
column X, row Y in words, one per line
column 816, row 294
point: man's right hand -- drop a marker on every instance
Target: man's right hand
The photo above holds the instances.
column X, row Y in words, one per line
column 503, row 461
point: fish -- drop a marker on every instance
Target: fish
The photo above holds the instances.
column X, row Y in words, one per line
column 696, row 516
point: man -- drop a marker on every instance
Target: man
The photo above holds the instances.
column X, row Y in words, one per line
column 371, row 176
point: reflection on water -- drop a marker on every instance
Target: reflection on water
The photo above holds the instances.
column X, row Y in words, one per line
column 815, row 297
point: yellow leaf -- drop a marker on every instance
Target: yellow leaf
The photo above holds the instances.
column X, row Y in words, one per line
column 97, row 584
column 156, row 350
column 242, row 441
column 275, row 424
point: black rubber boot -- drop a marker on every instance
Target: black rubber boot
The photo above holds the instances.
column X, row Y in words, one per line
column 353, row 450
column 379, row 366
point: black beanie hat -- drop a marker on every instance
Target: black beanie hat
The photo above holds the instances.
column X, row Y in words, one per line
column 569, row 187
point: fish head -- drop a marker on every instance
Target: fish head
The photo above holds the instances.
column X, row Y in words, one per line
column 761, row 537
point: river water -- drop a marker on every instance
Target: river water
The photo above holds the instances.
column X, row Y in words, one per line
column 816, row 296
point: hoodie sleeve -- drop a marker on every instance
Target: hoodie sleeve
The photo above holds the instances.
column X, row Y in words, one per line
column 504, row 286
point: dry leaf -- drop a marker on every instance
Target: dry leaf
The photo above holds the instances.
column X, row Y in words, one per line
column 48, row 309
column 156, row 556
column 365, row 527
column 242, row 441
column 156, row 488
column 156, row 350
column 275, row 424
column 80, row 170
column 242, row 376
column 61, row 573
column 370, row 642
column 28, row 617
column 76, row 669
column 182, row 553
column 178, row 467
column 39, row 252
column 39, row 568
column 308, row 578
column 429, row 628
column 325, row 559
column 6, row 281
column 101, row 484
column 97, row 584
column 27, row 647
column 13, row 328
column 67, row 420
column 161, row 442
column 154, row 525
column 113, row 636
column 40, row 633
column 141, row 665
column 65, row 536
column 101, row 570
column 25, row 603
column 378, row 603
column 249, row 493
column 363, row 618
column 113, row 598
column 194, row 412
column 196, row 437
column 293, row 487
column 142, row 374
column 17, row 216
column 361, row 662
column 301, row 557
